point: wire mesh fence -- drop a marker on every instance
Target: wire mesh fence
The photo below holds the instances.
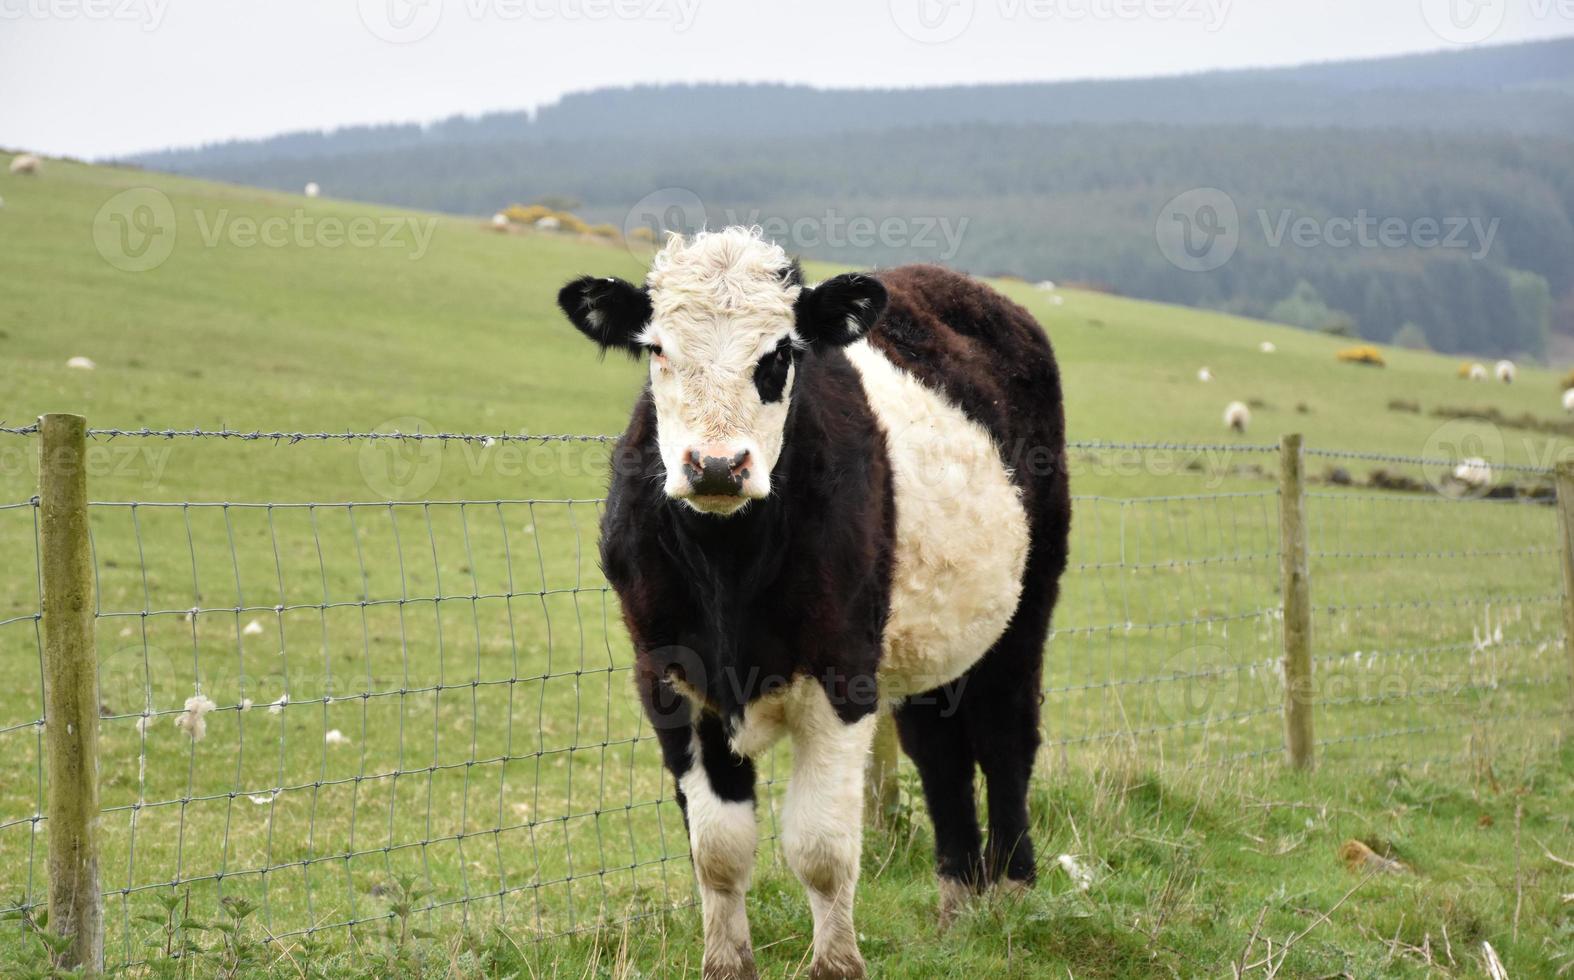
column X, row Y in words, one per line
column 304, row 702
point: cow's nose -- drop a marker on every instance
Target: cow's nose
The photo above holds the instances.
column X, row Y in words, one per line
column 714, row 471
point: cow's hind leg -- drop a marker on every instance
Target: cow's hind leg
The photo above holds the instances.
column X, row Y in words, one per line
column 1001, row 704
column 716, row 790
column 933, row 734
column 822, row 826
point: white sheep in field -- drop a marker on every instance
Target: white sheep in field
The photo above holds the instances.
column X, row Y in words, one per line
column 1568, row 400
column 1474, row 472
column 1205, row 375
column 499, row 220
column 1478, row 372
column 1267, row 347
column 312, row 190
column 26, row 163
column 1506, row 372
column 1237, row 416
column 548, row 223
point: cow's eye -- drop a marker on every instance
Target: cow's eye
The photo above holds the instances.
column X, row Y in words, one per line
column 770, row 372
column 655, row 351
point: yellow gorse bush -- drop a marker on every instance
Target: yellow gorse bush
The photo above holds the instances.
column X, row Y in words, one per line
column 1363, row 354
column 529, row 214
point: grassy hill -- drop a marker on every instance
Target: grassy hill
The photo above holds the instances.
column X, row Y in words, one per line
column 1063, row 181
column 466, row 336
column 497, row 754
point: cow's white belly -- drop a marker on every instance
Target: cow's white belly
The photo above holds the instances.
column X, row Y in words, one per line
column 961, row 531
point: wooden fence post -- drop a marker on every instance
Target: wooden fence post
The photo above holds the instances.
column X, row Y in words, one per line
column 1565, row 484
column 880, row 788
column 1294, row 574
column 70, row 692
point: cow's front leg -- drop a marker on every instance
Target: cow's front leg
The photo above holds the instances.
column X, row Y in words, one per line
column 718, row 801
column 822, row 826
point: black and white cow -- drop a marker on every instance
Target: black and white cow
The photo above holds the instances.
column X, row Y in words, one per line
column 831, row 499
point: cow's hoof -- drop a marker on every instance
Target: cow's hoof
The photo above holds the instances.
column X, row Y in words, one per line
column 1012, row 889
column 739, row 968
column 837, row 968
column 954, row 896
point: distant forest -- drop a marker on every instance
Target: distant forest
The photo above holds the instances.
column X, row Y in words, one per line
column 1466, row 158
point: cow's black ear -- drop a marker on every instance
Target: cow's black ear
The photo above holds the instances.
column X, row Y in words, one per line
column 840, row 310
column 609, row 311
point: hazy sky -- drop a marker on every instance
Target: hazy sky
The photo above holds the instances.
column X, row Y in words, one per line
column 96, row 77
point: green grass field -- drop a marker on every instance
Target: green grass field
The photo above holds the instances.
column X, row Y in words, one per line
column 440, row 607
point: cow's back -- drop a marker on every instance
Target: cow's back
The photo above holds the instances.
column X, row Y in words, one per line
column 965, row 385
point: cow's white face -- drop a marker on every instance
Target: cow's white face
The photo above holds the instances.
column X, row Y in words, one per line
column 722, row 343
column 726, row 321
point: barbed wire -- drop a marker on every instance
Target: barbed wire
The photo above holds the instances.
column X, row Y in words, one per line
column 1101, row 445
column 291, row 438
column 1076, row 445
column 1400, row 459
